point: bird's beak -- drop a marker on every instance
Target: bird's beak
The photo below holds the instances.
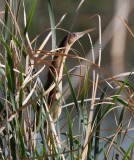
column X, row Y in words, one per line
column 80, row 34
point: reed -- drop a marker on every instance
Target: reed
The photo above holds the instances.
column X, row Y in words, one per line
column 27, row 128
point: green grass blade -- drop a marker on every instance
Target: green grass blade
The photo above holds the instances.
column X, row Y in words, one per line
column 9, row 67
column 52, row 23
column 13, row 148
column 104, row 152
column 4, row 31
column 128, row 151
column 72, row 90
column 43, row 139
column 9, row 78
column 39, row 117
column 20, row 94
column 119, row 136
column 36, row 155
column 70, row 130
column 97, row 116
column 19, row 44
column 80, row 115
column 90, row 147
column 6, row 15
column 22, row 148
column 115, row 98
column 30, row 16
column 84, row 89
column 122, row 102
column 10, row 86
column 128, row 84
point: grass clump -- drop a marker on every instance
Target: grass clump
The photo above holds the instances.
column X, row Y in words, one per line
column 27, row 130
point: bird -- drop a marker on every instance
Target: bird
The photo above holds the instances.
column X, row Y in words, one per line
column 55, row 72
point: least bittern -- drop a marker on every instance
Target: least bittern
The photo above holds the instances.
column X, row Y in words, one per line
column 56, row 70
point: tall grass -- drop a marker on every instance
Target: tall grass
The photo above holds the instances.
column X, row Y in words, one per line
column 27, row 130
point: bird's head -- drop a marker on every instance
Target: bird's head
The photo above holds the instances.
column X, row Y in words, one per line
column 72, row 37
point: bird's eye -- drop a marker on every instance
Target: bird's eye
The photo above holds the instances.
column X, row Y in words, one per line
column 73, row 35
